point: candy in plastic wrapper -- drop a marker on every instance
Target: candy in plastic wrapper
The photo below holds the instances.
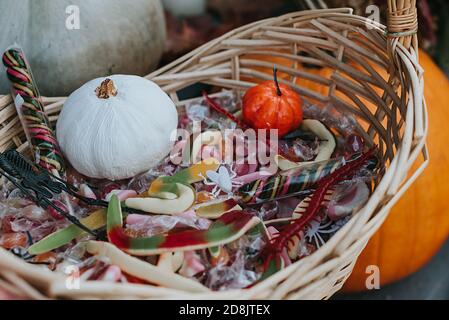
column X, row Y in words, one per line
column 241, row 271
column 251, row 245
column 88, row 267
column 142, row 182
column 268, row 210
column 49, row 260
column 244, row 168
column 15, row 198
column 22, row 225
column 46, row 228
column 299, row 181
column 95, row 271
column 140, row 225
column 277, row 209
column 13, row 239
column 345, row 124
column 198, row 110
column 354, row 143
column 192, row 264
column 87, row 192
column 320, row 231
column 234, row 276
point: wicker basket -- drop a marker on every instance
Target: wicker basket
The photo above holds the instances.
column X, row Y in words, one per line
column 350, row 45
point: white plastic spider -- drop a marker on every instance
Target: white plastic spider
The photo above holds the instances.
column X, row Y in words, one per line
column 221, row 180
column 315, row 229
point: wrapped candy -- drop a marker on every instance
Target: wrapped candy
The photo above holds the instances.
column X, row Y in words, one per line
column 299, row 149
column 197, row 112
column 240, row 269
column 111, row 274
column 200, row 110
column 152, row 225
column 331, row 117
column 48, row 259
column 347, row 199
column 75, row 254
column 35, row 213
column 25, row 218
column 268, row 210
column 213, row 243
column 101, row 270
column 12, row 240
column 234, row 276
column 274, row 249
column 90, row 267
column 238, row 262
column 192, row 264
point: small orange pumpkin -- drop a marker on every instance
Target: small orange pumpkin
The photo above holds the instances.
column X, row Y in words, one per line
column 271, row 105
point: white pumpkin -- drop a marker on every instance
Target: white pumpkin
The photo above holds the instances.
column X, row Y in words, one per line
column 116, row 127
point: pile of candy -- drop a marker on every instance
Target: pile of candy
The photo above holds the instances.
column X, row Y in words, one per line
column 200, row 220
column 213, row 224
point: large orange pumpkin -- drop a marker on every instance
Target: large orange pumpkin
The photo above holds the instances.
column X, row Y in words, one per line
column 418, row 225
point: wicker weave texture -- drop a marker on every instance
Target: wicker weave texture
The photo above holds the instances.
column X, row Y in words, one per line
column 374, row 75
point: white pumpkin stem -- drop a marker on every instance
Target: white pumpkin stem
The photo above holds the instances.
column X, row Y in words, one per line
column 106, row 89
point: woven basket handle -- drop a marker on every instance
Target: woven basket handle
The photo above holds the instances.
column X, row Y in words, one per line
column 402, row 22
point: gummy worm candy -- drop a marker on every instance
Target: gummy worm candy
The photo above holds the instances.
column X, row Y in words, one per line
column 94, row 221
column 31, row 111
column 228, row 228
column 143, row 270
